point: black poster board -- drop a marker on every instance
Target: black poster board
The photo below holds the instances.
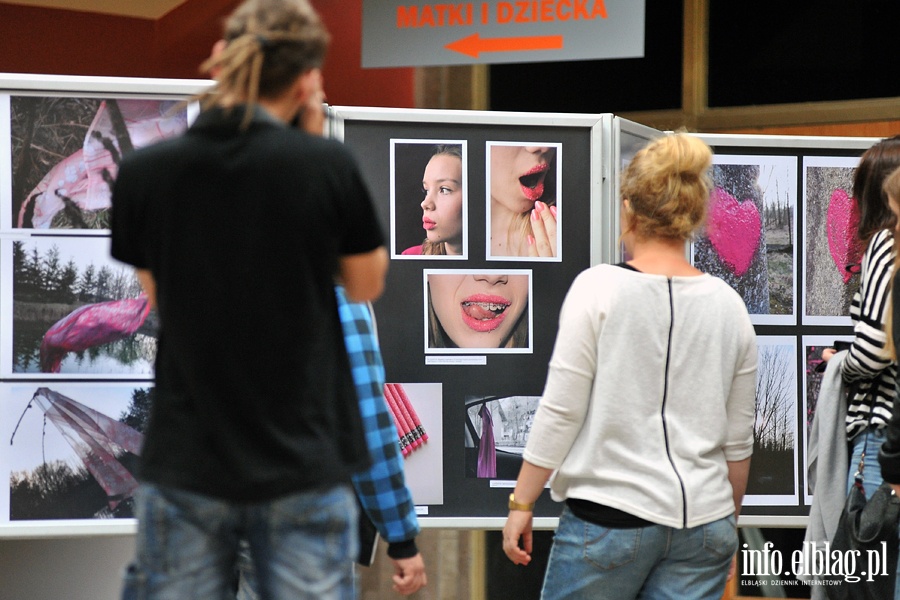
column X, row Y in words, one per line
column 507, row 381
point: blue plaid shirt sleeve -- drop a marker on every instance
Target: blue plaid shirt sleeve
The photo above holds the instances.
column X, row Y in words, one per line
column 381, row 489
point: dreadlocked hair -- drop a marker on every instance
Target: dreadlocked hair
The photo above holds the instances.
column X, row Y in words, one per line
column 268, row 44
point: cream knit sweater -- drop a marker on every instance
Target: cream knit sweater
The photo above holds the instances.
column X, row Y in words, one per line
column 651, row 389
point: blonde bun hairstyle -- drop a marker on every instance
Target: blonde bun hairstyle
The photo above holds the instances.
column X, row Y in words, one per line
column 667, row 186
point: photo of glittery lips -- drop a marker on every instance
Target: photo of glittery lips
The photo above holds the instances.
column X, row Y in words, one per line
column 486, row 310
column 750, row 236
column 524, row 200
column 532, row 181
column 831, row 264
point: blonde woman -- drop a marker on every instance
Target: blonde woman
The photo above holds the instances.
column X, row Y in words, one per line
column 646, row 421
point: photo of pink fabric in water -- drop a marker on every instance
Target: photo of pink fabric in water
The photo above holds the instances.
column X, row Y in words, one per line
column 74, row 312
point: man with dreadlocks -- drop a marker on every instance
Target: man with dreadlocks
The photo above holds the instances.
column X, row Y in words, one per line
column 238, row 230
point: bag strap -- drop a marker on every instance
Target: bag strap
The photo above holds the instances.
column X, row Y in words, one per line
column 858, row 475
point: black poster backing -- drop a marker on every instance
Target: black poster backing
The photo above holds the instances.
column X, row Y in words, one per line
column 475, row 375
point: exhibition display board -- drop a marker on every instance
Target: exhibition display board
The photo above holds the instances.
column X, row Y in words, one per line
column 77, row 337
column 466, row 334
column 781, row 230
column 469, row 333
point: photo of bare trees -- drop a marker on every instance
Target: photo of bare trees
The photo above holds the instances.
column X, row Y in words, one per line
column 773, row 470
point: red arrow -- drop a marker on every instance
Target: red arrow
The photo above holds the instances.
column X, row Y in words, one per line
column 474, row 44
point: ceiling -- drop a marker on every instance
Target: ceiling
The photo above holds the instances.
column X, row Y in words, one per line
column 144, row 9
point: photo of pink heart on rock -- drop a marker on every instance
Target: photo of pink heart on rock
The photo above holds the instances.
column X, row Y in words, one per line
column 842, row 221
column 734, row 229
column 832, row 254
column 749, row 239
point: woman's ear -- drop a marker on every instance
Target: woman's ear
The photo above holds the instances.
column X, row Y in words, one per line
column 626, row 217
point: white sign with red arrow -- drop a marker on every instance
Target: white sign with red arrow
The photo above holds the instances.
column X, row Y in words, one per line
column 397, row 34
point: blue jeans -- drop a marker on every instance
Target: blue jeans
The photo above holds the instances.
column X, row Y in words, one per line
column 187, row 545
column 588, row 561
column 247, row 582
column 869, row 441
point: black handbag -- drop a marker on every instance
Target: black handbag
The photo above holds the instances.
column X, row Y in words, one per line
column 868, row 530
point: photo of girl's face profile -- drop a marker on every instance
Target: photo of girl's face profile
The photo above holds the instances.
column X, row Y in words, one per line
column 477, row 310
column 518, row 174
column 442, row 206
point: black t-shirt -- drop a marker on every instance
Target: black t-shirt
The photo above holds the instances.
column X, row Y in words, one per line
column 242, row 232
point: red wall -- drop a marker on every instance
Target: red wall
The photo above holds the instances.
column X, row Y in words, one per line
column 346, row 82
column 63, row 42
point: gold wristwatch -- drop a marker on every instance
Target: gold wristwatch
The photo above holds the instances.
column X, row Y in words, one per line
column 513, row 505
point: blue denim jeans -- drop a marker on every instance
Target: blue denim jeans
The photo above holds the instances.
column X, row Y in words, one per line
column 869, row 440
column 247, row 582
column 187, row 545
column 588, row 561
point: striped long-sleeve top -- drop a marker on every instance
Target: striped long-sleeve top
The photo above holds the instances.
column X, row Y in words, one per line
column 381, row 489
column 867, row 367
